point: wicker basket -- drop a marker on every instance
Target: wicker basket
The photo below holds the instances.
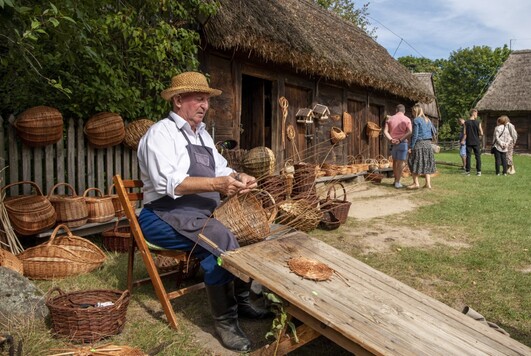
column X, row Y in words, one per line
column 117, row 206
column 374, row 177
column 79, row 317
column 61, row 256
column 373, row 130
column 117, row 239
column 383, row 163
column 372, row 164
column 39, row 126
column 100, row 208
column 337, row 135
column 104, row 130
column 134, row 132
column 304, row 178
column 29, row 214
column 338, row 207
column 277, row 186
column 71, row 210
column 348, row 123
column 259, row 162
column 185, row 268
column 299, row 214
column 8, row 260
column 329, row 221
column 245, row 217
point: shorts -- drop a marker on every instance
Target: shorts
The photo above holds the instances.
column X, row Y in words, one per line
column 399, row 152
column 462, row 150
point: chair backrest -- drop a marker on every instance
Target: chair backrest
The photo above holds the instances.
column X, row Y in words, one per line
column 129, row 190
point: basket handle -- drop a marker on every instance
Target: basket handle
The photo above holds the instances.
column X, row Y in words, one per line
column 334, row 187
column 54, row 233
column 54, row 289
column 120, row 300
column 89, row 189
column 60, row 184
column 274, row 212
column 111, row 187
column 37, row 189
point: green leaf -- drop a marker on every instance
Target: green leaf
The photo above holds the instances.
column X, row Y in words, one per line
column 35, row 24
column 68, row 19
column 54, row 22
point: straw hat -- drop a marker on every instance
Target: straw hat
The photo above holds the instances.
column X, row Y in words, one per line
column 188, row 82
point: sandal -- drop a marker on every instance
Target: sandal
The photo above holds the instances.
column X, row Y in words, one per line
column 413, row 186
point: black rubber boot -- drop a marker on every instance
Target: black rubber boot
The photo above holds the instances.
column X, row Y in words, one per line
column 246, row 308
column 225, row 313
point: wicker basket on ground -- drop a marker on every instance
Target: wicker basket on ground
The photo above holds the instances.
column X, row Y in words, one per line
column 374, row 177
column 100, row 208
column 259, row 162
column 61, row 256
column 89, row 315
column 245, row 217
column 118, row 238
column 8, row 260
column 373, row 130
column 339, row 207
column 71, row 209
column 39, row 126
column 104, row 130
column 29, row 214
column 134, row 132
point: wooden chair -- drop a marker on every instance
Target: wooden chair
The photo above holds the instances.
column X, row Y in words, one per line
column 126, row 194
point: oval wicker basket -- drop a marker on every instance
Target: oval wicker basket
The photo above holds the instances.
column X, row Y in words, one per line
column 78, row 316
column 39, row 126
column 100, row 208
column 134, row 132
column 29, row 214
column 299, row 214
column 259, row 162
column 373, row 130
column 8, row 260
column 245, row 217
column 104, row 130
column 71, row 210
column 337, row 135
column 61, row 256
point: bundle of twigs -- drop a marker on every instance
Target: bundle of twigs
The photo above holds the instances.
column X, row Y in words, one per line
column 8, row 238
column 104, row 350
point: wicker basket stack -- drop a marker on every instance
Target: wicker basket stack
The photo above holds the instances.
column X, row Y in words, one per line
column 104, row 130
column 71, row 210
column 39, row 126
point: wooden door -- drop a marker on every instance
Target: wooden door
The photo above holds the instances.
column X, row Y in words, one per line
column 255, row 128
column 356, row 140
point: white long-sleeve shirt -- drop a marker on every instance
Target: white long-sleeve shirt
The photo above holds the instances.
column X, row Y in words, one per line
column 502, row 138
column 163, row 157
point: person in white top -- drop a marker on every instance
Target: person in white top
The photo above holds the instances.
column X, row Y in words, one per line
column 500, row 144
column 183, row 177
column 510, row 149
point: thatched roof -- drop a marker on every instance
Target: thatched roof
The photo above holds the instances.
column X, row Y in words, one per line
column 430, row 109
column 311, row 40
column 511, row 88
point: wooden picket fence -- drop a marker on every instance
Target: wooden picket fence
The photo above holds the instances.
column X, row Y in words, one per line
column 71, row 160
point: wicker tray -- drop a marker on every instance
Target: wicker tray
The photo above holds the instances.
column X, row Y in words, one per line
column 78, row 316
column 310, row 269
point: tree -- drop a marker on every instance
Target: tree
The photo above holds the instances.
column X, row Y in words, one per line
column 422, row 65
column 106, row 55
column 347, row 10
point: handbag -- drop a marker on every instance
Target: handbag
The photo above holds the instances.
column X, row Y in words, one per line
column 435, row 148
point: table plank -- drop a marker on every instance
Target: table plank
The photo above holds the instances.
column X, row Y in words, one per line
column 365, row 306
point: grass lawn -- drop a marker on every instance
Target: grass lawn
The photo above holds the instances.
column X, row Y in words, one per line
column 492, row 275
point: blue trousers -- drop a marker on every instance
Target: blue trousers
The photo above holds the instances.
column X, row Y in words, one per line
column 161, row 234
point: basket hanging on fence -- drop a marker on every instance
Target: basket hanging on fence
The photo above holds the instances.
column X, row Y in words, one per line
column 104, row 130
column 88, row 315
column 71, row 210
column 39, row 126
column 61, row 256
column 245, row 217
column 100, row 208
column 373, row 130
column 259, row 162
column 8, row 260
column 299, row 214
column 134, row 132
column 118, row 238
column 29, row 214
column 338, row 207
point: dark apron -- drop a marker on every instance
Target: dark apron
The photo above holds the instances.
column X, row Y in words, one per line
column 191, row 214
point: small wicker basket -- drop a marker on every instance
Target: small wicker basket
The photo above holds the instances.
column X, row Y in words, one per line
column 373, row 130
column 337, row 135
column 8, row 260
column 117, row 239
column 71, row 210
column 100, row 208
column 89, row 315
column 338, row 207
column 134, row 132
column 61, row 256
column 39, row 126
column 104, row 130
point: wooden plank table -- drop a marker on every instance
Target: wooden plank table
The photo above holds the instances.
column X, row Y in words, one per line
column 361, row 309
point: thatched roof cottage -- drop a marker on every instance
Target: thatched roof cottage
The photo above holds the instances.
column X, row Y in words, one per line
column 259, row 51
column 510, row 94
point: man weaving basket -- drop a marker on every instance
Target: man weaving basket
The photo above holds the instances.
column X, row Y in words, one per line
column 183, row 176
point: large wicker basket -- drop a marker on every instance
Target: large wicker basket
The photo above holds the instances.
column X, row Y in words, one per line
column 29, row 214
column 373, row 130
column 88, row 315
column 104, row 130
column 259, row 162
column 39, row 126
column 8, row 260
column 339, row 207
column 100, row 208
column 71, row 210
column 61, row 256
column 134, row 132
column 245, row 217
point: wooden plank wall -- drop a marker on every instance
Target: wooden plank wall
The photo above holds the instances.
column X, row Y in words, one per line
column 71, row 160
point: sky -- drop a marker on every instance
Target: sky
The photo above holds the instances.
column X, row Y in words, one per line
column 435, row 28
